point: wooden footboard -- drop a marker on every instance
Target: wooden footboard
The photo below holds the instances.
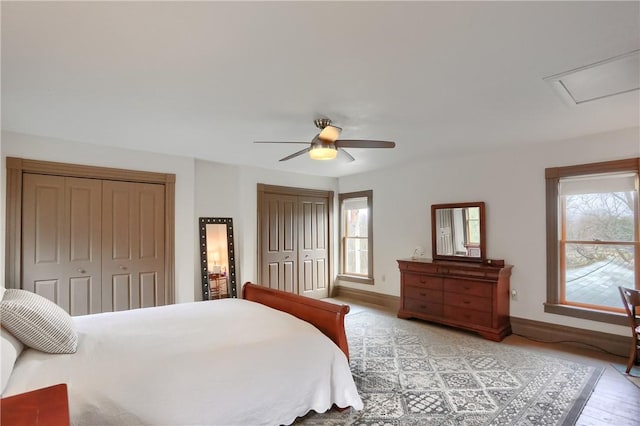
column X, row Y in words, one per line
column 327, row 317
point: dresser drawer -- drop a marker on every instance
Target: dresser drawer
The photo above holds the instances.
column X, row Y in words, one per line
column 423, row 281
column 424, row 294
column 467, row 302
column 467, row 316
column 423, row 307
column 471, row 288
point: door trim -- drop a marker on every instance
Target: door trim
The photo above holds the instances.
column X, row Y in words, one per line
column 16, row 167
column 286, row 190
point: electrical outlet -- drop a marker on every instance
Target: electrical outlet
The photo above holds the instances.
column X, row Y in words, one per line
column 514, row 295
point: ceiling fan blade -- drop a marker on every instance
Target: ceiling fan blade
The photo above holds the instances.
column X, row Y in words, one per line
column 280, row 142
column 295, row 154
column 349, row 156
column 361, row 143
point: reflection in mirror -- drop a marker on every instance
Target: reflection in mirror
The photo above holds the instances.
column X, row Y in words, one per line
column 458, row 231
column 217, row 258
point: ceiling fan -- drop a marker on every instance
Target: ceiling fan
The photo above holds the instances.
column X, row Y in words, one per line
column 325, row 145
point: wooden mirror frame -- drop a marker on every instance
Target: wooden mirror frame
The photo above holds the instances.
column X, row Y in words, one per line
column 482, row 245
column 204, row 265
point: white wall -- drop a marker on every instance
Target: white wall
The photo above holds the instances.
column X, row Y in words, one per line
column 49, row 149
column 511, row 183
column 203, row 189
column 231, row 191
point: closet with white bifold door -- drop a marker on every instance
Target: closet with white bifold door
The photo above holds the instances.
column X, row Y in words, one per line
column 91, row 245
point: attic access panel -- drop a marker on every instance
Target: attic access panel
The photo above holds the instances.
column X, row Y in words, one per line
column 613, row 76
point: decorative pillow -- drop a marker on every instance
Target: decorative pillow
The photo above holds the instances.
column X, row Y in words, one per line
column 11, row 349
column 38, row 322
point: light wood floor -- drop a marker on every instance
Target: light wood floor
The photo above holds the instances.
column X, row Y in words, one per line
column 614, row 401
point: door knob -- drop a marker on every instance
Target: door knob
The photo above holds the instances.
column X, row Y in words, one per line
column 124, row 268
column 82, row 271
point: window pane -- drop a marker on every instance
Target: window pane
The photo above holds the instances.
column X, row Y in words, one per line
column 593, row 273
column 600, row 217
column 474, row 225
column 355, row 228
column 357, row 256
column 356, row 222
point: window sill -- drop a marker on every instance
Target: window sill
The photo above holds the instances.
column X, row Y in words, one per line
column 356, row 279
column 588, row 314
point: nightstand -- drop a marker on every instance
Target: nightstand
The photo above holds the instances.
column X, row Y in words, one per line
column 45, row 407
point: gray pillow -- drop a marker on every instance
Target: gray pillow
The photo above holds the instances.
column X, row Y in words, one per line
column 38, row 322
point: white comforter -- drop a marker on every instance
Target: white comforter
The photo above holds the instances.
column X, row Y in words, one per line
column 222, row 362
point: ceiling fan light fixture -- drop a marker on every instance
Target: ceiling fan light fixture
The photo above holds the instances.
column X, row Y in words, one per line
column 330, row 133
column 323, row 152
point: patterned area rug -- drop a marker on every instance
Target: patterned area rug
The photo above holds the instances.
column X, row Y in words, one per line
column 413, row 373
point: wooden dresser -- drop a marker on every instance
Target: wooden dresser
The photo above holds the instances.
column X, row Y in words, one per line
column 466, row 295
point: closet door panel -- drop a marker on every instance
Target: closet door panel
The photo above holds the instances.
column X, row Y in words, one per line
column 81, row 296
column 307, row 276
column 43, row 241
column 321, row 277
column 148, row 241
column 272, row 275
column 48, row 236
column 119, row 224
column 287, row 280
column 47, row 289
column 278, row 227
column 148, row 289
column 312, row 246
column 83, row 218
column 133, row 245
column 61, row 239
column 120, row 292
column 149, row 264
column 118, row 229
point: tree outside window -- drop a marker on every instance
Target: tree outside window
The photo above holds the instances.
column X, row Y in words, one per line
column 597, row 241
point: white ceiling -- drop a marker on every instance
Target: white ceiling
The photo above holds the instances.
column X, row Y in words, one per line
column 206, row 79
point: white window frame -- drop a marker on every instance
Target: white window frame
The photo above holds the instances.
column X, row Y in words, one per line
column 342, row 275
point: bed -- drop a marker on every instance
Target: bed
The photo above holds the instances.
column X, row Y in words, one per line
column 243, row 361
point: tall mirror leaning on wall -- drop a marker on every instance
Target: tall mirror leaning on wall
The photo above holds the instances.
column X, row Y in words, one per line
column 217, row 258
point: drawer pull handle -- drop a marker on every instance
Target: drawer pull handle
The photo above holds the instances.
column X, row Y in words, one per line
column 422, row 281
column 466, row 302
column 423, row 294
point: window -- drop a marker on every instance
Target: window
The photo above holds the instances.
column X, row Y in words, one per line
column 356, row 237
column 593, row 238
column 473, row 227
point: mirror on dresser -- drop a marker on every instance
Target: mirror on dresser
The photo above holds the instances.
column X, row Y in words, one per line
column 458, row 231
column 217, row 258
